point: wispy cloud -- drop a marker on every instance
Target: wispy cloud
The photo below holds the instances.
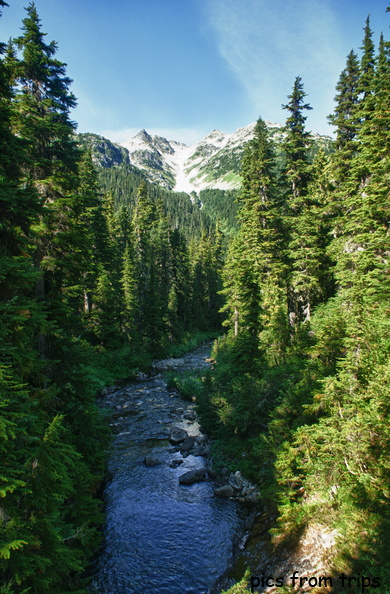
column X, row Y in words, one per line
column 268, row 43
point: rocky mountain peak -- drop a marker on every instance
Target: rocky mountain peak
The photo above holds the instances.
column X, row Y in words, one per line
column 163, row 145
column 215, row 136
column 143, row 136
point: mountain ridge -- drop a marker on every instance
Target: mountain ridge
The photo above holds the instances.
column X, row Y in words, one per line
column 196, row 167
column 212, row 163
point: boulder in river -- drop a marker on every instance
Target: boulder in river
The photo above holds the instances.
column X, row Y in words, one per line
column 176, row 462
column 188, row 444
column 151, row 461
column 192, row 476
column 224, row 491
column 177, row 435
column 141, row 377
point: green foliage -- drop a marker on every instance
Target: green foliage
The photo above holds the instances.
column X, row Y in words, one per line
column 241, row 587
column 101, row 272
column 188, row 384
column 221, row 206
column 123, row 182
column 93, row 285
column 297, row 141
column 311, row 425
column 255, row 270
column 188, row 342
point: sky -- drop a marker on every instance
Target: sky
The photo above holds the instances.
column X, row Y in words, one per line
column 182, row 68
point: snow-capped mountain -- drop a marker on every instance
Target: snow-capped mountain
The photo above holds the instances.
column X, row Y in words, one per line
column 214, row 162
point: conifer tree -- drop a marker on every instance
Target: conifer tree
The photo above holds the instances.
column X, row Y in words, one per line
column 354, row 326
column 180, row 297
column 47, row 515
column 367, row 63
column 41, row 119
column 206, row 281
column 42, row 111
column 256, row 288
column 309, row 278
column 159, row 284
column 143, row 219
column 21, row 317
column 345, row 116
column 129, row 287
column 360, row 244
column 91, row 232
column 298, row 174
column 232, row 278
column 296, row 144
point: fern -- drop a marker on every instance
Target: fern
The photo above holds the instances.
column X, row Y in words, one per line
column 5, row 552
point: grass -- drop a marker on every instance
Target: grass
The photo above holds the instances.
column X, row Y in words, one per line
column 188, row 383
column 189, row 342
column 107, row 367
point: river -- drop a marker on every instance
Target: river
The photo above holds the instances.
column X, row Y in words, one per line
column 161, row 537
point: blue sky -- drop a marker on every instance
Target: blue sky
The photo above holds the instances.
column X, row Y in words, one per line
column 182, row 68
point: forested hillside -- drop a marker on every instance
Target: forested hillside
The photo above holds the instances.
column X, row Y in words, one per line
column 91, row 288
column 299, row 398
column 210, row 173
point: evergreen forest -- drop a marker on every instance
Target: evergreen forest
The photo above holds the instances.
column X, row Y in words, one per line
column 102, row 271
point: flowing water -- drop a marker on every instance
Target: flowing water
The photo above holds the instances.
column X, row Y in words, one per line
column 161, row 537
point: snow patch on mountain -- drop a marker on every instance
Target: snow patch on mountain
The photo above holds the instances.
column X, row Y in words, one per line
column 214, row 162
column 190, row 168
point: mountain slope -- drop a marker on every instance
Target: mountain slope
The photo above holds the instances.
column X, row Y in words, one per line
column 212, row 163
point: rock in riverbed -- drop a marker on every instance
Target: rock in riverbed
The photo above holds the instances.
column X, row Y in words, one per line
column 193, row 476
column 176, row 462
column 151, row 461
column 224, row 491
column 187, row 445
column 177, row 435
